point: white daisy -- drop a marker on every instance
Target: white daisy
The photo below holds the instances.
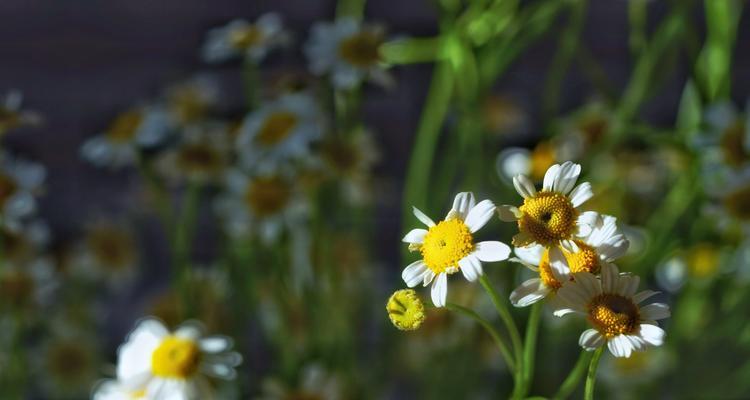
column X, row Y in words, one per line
column 174, row 365
column 602, row 245
column 191, row 101
column 11, row 115
column 278, row 132
column 108, row 252
column 348, row 51
column 28, row 286
column 240, row 38
column 118, row 145
column 612, row 307
column 20, row 182
column 449, row 246
column 551, row 216
column 202, row 154
column 515, row 161
column 111, row 389
column 725, row 141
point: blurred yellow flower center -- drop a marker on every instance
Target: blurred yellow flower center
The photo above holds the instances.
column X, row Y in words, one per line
column 613, row 314
column 175, row 358
column 188, row 104
column 703, row 260
column 737, row 203
column 8, row 187
column 70, row 360
column 584, row 260
column 199, row 157
column 542, row 158
column 445, row 244
column 545, row 272
column 341, row 156
column 9, row 119
column 276, row 128
column 361, row 49
column 16, row 288
column 246, row 37
column 267, row 196
column 124, row 127
column 548, row 217
column 405, row 310
column 733, row 144
column 111, row 247
column 594, row 128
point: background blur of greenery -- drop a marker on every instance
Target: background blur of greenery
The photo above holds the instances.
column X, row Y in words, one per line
column 514, row 86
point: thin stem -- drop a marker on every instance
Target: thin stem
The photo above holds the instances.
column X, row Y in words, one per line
column 529, row 347
column 591, row 377
column 184, row 232
column 490, row 329
column 250, row 81
column 574, row 377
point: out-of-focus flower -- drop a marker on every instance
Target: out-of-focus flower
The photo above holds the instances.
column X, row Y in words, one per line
column 191, row 101
column 348, row 51
column 503, row 116
column 262, row 204
column 26, row 242
column 240, row 38
column 24, row 287
column 613, row 308
column 520, row 161
column 725, row 141
column 118, row 146
column 69, row 363
column 448, row 246
column 551, row 216
column 730, row 208
column 202, row 155
column 314, row 383
column 584, row 129
column 405, row 309
column 20, row 182
column 108, row 251
column 174, row 365
column 11, row 115
column 624, row 375
column 278, row 132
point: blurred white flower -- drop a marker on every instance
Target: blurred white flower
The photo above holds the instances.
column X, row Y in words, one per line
column 240, row 38
column 202, row 154
column 20, row 182
column 190, row 101
column 11, row 114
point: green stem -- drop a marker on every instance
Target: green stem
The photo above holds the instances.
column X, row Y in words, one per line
column 184, row 232
column 638, row 16
column 251, row 83
column 574, row 377
column 591, row 376
column 529, row 347
column 490, row 329
column 350, row 8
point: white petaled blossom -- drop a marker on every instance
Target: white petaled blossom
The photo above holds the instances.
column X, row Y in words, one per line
column 118, row 146
column 552, row 216
column 240, row 38
column 348, row 51
column 111, row 389
column 191, row 101
column 278, row 132
column 613, row 308
column 725, row 143
column 11, row 114
column 731, row 207
column 601, row 246
column 449, row 246
column 20, row 182
column 202, row 155
column 174, row 365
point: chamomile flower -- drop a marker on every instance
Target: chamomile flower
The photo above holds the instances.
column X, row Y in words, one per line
column 240, row 38
column 602, row 245
column 449, row 246
column 278, row 132
column 551, row 217
column 348, row 51
column 26, row 287
column 174, row 365
column 534, row 163
column 202, row 155
column 191, row 101
column 503, row 116
column 725, row 141
column 20, row 182
column 118, row 145
column 11, row 115
column 613, row 308
column 108, row 252
column 69, row 362
column 731, row 209
column 24, row 242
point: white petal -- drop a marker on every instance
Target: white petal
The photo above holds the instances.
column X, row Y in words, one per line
column 470, row 267
column 581, row 194
column 586, row 222
column 189, row 330
column 652, row 334
column 610, row 277
column 627, row 285
column 415, row 236
column 655, row 311
column 491, row 251
column 479, row 215
column 550, row 177
column 524, row 186
column 531, row 255
column 439, row 290
column 591, row 339
column 462, row 203
column 215, row 344
column 588, row 284
column 559, row 265
column 414, row 273
column 422, row 217
column 529, row 293
column 567, row 177
column 641, row 296
column 428, row 277
column 620, row 346
column 508, row 213
column 573, row 296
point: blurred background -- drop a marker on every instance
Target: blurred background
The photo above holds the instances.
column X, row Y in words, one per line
column 129, row 216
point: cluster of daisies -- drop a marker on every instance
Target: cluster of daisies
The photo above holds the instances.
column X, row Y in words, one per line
column 573, row 252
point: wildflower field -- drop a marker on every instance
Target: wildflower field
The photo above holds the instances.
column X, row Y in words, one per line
column 334, row 200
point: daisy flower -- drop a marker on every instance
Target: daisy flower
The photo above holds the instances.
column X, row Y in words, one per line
column 613, row 308
column 725, row 141
column 279, row 131
column 69, row 361
column 348, row 51
column 240, row 38
column 11, row 115
column 534, row 163
column 503, row 116
column 551, row 216
column 191, row 101
column 448, row 246
column 202, row 155
column 20, row 182
column 109, row 251
column 602, row 245
column 174, row 365
column 26, row 287
column 118, row 145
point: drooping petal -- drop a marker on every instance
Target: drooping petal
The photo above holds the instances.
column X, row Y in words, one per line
column 642, row 296
column 610, row 276
column 620, row 346
column 550, row 177
column 422, row 217
column 567, row 177
column 479, row 215
column 524, row 186
column 531, row 255
column 415, row 236
column 581, row 194
column 491, row 251
column 508, row 213
column 559, row 265
column 470, row 267
column 439, row 291
column 652, row 334
column 655, row 311
column 591, row 339
column 530, row 292
column 215, row 344
column 414, row 273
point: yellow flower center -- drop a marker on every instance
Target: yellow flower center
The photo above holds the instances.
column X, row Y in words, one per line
column 361, row 49
column 138, row 394
column 8, row 187
column 545, row 273
column 200, row 158
column 175, row 358
column 594, row 128
column 267, row 196
column 111, row 247
column 445, row 244
column 737, row 203
column 245, row 38
column 340, row 155
column 733, row 144
column 16, row 289
column 9, row 119
column 70, row 361
column 613, row 314
column 125, row 126
column 703, row 260
column 542, row 158
column 276, row 128
column 188, row 104
column 405, row 310
column 548, row 217
column 584, row 260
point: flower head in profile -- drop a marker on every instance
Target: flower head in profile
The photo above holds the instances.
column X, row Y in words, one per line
column 602, row 245
column 613, row 308
column 449, row 246
column 239, row 38
column 11, row 114
column 348, row 51
column 551, row 217
column 165, row 365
